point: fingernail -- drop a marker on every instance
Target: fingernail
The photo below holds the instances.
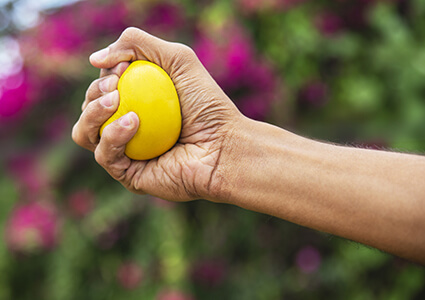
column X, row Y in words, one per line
column 108, row 100
column 100, row 55
column 105, row 85
column 125, row 121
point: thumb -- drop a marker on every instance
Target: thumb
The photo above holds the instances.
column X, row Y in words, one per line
column 133, row 44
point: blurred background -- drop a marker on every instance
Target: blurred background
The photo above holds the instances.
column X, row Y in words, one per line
column 346, row 71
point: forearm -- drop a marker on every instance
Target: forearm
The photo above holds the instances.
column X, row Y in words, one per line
column 373, row 197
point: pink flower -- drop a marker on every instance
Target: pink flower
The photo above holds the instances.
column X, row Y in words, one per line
column 28, row 173
column 226, row 55
column 60, row 33
column 130, row 275
column 239, row 55
column 308, row 259
column 104, row 17
column 81, row 203
column 261, row 88
column 173, row 295
column 72, row 29
column 252, row 6
column 209, row 53
column 230, row 57
column 15, row 95
column 32, row 227
column 208, row 273
column 164, row 18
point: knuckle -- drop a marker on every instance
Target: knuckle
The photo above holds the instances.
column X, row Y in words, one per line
column 91, row 90
column 75, row 135
column 137, row 186
column 110, row 135
column 82, row 138
column 87, row 95
column 184, row 52
column 90, row 108
column 93, row 136
column 96, row 112
column 107, row 84
column 130, row 33
column 99, row 157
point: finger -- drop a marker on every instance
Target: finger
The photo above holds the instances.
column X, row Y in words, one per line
column 133, row 44
column 117, row 70
column 110, row 151
column 107, row 82
column 86, row 131
column 100, row 87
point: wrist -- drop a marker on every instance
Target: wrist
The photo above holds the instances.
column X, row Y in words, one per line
column 251, row 152
column 220, row 186
column 265, row 168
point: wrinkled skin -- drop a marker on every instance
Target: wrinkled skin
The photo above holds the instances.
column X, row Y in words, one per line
column 189, row 170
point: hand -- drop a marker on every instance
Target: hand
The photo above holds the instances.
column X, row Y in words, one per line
column 189, row 170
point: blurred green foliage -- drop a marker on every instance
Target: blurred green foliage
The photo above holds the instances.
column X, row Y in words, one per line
column 351, row 72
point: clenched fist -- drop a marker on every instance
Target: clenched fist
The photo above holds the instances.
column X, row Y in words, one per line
column 189, row 170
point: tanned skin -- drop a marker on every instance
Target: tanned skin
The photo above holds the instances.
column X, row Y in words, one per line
column 373, row 197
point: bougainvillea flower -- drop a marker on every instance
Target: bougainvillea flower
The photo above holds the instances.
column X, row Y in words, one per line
column 28, row 173
column 32, row 227
column 81, row 202
column 231, row 59
column 308, row 259
column 130, row 275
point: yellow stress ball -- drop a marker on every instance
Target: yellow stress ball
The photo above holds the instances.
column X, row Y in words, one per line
column 147, row 90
